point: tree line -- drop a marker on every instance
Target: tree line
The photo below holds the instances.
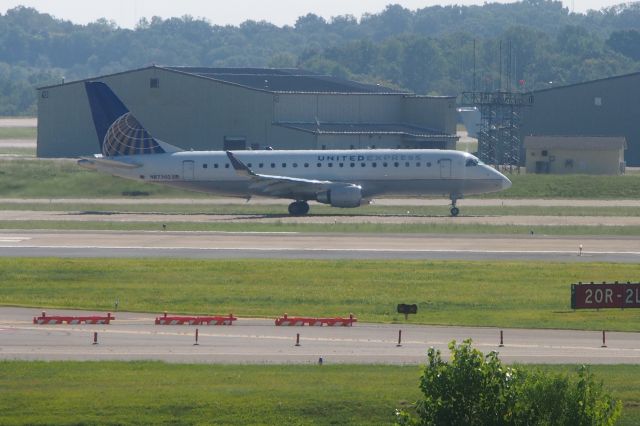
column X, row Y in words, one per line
column 439, row 50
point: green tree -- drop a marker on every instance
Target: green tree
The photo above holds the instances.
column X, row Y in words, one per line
column 477, row 389
column 626, row 43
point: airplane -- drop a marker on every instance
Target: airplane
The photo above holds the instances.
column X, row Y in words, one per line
column 339, row 178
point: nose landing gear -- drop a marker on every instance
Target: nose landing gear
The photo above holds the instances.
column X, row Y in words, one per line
column 454, row 210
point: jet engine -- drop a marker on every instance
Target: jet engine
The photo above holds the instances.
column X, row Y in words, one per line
column 341, row 196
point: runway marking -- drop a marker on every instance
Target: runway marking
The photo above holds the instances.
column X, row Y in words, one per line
column 13, row 239
column 189, row 332
column 312, row 249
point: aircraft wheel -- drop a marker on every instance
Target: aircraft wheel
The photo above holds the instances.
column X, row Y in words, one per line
column 298, row 208
column 455, row 211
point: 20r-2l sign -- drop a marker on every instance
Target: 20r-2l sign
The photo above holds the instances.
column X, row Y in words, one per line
column 597, row 296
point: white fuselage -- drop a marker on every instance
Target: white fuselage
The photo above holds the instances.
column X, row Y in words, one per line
column 378, row 172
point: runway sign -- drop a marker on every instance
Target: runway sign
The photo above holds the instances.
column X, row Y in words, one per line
column 605, row 295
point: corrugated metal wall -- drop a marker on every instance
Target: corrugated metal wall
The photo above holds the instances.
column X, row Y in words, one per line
column 609, row 107
column 199, row 113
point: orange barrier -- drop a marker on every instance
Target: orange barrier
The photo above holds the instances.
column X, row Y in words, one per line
column 44, row 319
column 179, row 320
column 286, row 320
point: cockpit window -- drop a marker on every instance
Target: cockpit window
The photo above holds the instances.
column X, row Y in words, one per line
column 472, row 162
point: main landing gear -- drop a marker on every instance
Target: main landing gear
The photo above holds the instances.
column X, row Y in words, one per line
column 298, row 208
column 454, row 210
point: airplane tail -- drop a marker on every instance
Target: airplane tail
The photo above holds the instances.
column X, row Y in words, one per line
column 119, row 133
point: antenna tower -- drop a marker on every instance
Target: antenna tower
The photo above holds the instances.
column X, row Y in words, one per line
column 499, row 141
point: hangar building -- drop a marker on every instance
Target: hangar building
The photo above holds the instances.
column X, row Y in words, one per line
column 249, row 108
column 569, row 154
column 607, row 107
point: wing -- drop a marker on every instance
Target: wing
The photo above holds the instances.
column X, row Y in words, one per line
column 283, row 186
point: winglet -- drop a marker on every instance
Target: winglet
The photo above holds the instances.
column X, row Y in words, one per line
column 240, row 168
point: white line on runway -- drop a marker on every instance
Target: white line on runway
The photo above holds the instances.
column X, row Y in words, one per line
column 312, row 249
column 190, row 331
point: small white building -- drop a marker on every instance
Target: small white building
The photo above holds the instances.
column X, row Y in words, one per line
column 575, row 154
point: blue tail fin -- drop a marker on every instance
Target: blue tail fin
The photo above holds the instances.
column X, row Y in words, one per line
column 118, row 130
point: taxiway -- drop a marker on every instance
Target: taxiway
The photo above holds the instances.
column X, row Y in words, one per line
column 133, row 336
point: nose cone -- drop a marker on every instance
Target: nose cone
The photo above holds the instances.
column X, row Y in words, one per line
column 506, row 183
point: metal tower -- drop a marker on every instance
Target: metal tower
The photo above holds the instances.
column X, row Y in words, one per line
column 499, row 137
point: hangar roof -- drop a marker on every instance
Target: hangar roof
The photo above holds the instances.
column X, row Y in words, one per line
column 275, row 80
column 591, row 143
column 584, row 83
column 367, row 129
column 285, row 80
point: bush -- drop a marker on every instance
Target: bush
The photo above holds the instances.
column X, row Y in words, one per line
column 474, row 389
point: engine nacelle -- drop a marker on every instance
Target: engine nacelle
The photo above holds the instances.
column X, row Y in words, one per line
column 341, row 196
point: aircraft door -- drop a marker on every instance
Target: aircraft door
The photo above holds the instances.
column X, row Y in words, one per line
column 188, row 170
column 445, row 168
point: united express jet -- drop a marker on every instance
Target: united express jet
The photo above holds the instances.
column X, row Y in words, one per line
column 339, row 178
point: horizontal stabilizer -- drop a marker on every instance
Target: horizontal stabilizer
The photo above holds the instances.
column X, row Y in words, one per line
column 93, row 162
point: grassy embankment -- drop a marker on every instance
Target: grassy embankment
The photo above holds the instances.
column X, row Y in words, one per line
column 500, row 294
column 158, row 393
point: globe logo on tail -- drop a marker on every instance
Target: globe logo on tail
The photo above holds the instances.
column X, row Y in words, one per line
column 126, row 136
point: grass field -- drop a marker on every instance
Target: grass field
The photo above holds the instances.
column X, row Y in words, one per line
column 501, row 294
column 156, row 393
column 18, row 133
column 355, row 228
column 320, row 209
column 45, row 178
column 18, row 151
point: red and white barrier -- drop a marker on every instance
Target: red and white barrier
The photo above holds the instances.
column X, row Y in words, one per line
column 56, row 319
column 286, row 320
column 183, row 320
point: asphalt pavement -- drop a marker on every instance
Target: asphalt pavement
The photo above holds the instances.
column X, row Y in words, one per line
column 134, row 336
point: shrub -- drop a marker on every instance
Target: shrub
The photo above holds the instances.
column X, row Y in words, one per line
column 474, row 389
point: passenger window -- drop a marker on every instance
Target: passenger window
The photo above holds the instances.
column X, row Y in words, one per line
column 226, row 166
column 418, row 164
column 330, row 165
column 428, row 164
column 273, row 165
column 352, row 165
column 261, row 165
column 295, row 165
column 384, row 164
column 215, row 166
column 406, row 164
column 374, row 165
column 249, row 165
column 204, row 166
column 319, row 164
column 284, row 165
column 363, row 164
column 340, row 164
column 306, row 164
column 396, row 164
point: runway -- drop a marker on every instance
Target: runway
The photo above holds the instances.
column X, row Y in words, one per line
column 133, row 336
column 287, row 245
